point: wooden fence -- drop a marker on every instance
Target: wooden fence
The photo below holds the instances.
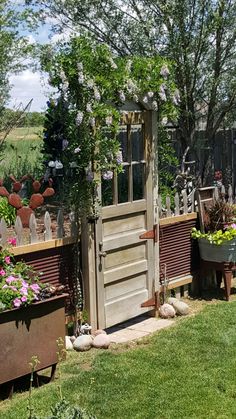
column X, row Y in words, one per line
column 31, row 235
column 183, row 204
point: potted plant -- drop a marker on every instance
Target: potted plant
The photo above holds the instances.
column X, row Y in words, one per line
column 218, row 243
column 31, row 319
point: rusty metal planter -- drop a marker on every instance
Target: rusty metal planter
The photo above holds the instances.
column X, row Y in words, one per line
column 29, row 331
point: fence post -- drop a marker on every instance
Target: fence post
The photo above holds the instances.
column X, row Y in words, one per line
column 3, row 231
column 60, row 224
column 176, row 203
column 47, row 225
column 33, row 229
column 19, row 231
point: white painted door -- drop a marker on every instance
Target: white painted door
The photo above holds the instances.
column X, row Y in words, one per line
column 125, row 263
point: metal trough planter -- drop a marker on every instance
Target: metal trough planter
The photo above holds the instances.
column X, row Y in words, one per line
column 29, row 331
column 225, row 252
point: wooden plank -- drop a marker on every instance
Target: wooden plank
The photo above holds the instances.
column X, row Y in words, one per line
column 121, row 240
column 125, row 255
column 120, row 272
column 33, row 229
column 125, row 287
column 50, row 244
column 125, row 308
column 178, row 282
column 19, row 231
column 47, row 224
column 178, row 218
column 124, row 209
column 124, row 223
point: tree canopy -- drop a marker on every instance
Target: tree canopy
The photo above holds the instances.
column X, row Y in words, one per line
column 198, row 35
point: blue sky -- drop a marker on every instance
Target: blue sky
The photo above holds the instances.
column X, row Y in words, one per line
column 30, row 84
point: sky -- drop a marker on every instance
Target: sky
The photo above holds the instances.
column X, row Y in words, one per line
column 30, row 84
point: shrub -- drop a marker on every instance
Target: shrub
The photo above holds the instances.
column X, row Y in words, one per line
column 7, row 212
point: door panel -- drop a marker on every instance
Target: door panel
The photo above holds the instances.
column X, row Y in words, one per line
column 125, row 262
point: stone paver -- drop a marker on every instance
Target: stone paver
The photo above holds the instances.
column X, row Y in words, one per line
column 135, row 330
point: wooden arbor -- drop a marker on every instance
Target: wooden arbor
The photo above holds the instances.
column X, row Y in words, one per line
column 120, row 270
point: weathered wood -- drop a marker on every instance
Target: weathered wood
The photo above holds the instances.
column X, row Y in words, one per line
column 47, row 225
column 176, row 203
column 160, row 206
column 185, row 201
column 121, row 272
column 230, row 195
column 3, row 232
column 178, row 218
column 36, row 247
column 19, row 231
column 33, row 229
column 73, row 225
column 168, row 208
column 60, row 224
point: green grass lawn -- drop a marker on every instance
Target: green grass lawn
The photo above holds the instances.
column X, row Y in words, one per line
column 186, row 371
column 21, row 153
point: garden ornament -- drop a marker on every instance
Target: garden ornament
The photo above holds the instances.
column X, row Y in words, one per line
column 85, row 329
column 36, row 199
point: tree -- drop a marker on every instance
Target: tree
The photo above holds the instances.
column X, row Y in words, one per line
column 13, row 48
column 199, row 35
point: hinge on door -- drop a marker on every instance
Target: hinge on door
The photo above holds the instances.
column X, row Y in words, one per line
column 153, row 302
column 151, row 234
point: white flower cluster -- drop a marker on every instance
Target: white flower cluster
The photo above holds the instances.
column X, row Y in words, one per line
column 162, row 92
column 122, row 96
column 108, row 120
column 165, row 72
column 79, row 118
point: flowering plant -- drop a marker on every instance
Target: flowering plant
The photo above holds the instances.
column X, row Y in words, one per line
column 19, row 284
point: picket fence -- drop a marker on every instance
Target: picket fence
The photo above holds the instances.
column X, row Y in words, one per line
column 34, row 236
column 183, row 204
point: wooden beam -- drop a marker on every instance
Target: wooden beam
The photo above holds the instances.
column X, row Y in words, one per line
column 36, row 247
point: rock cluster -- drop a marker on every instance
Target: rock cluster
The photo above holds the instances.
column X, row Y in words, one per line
column 173, row 307
column 99, row 339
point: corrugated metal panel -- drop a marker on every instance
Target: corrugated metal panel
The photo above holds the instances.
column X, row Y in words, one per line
column 178, row 253
column 58, row 266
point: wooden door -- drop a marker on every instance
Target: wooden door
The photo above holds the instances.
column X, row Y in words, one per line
column 126, row 274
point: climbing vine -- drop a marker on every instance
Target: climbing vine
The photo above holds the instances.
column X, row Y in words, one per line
column 82, row 122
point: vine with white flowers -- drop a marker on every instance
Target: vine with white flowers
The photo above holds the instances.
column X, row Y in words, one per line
column 83, row 121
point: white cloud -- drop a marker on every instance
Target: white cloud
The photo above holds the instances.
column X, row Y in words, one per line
column 29, row 85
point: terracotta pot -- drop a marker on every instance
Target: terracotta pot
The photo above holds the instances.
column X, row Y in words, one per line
column 29, row 331
column 225, row 252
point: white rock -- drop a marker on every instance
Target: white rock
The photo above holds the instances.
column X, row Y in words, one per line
column 171, row 300
column 72, row 338
column 166, row 311
column 99, row 332
column 83, row 343
column 68, row 343
column 181, row 308
column 101, row 341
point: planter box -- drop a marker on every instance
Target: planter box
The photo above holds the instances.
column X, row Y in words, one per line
column 29, row 331
column 225, row 252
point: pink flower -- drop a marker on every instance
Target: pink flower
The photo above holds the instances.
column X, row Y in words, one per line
column 2, row 272
column 35, row 288
column 12, row 241
column 17, row 302
column 7, row 260
column 24, row 299
column 10, row 279
column 25, row 284
column 24, row 291
column 233, row 226
column 5, row 286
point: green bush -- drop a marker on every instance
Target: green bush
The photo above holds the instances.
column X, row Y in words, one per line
column 7, row 212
